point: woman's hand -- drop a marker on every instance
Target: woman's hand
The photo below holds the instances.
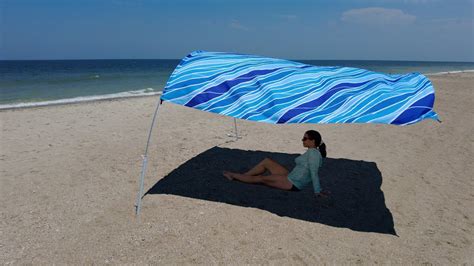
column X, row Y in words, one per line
column 323, row 194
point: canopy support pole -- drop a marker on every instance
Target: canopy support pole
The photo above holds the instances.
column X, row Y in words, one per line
column 138, row 204
column 235, row 130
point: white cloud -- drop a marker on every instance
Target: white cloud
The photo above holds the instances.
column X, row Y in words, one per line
column 235, row 24
column 377, row 16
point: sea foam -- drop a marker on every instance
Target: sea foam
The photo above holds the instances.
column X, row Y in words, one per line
column 127, row 94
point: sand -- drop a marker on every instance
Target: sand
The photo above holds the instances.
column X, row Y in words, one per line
column 69, row 178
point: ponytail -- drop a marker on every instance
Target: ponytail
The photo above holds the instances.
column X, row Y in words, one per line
column 322, row 150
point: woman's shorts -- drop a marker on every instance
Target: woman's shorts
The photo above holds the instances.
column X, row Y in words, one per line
column 293, row 188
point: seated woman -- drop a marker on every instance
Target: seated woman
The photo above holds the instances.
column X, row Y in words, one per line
column 305, row 171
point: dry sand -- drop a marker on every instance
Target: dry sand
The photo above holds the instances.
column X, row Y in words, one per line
column 69, row 178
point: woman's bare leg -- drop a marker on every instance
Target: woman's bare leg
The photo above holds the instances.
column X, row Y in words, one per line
column 253, row 179
column 276, row 181
column 267, row 164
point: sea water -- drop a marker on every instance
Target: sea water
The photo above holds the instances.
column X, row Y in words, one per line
column 48, row 82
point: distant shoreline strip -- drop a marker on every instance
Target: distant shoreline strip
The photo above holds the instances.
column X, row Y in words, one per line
column 450, row 72
column 77, row 100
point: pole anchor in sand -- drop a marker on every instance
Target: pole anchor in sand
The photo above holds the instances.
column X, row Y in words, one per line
column 138, row 204
column 236, row 135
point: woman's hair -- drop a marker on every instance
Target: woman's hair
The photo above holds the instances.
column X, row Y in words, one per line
column 314, row 135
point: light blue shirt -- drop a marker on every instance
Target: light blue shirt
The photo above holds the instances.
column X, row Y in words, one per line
column 306, row 170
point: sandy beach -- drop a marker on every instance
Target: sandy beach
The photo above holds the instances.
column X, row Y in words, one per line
column 69, row 179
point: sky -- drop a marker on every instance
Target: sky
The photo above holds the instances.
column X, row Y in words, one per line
column 413, row 30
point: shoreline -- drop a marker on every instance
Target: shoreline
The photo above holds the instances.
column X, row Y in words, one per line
column 70, row 101
column 128, row 95
column 449, row 72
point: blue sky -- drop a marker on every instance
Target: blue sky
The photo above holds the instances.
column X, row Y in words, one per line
column 423, row 30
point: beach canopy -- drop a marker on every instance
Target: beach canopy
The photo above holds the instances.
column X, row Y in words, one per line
column 281, row 91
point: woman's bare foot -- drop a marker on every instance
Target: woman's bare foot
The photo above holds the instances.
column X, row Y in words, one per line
column 228, row 175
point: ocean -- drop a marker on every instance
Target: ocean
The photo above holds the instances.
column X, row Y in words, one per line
column 48, row 82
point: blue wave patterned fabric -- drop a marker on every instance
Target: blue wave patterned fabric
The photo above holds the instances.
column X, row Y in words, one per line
column 281, row 91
